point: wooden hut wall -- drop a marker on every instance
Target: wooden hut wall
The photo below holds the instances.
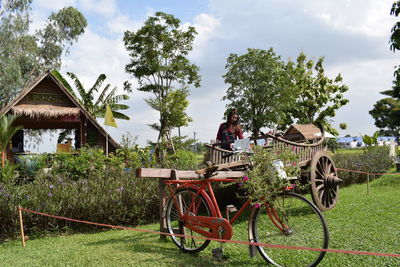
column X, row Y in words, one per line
column 95, row 138
column 47, row 92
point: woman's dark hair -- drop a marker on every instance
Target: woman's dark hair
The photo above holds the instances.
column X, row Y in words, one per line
column 230, row 114
column 229, row 122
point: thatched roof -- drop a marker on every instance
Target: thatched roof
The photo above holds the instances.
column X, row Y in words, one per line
column 302, row 131
column 44, row 111
column 47, row 111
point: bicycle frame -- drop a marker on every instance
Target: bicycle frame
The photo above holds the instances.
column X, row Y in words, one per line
column 220, row 227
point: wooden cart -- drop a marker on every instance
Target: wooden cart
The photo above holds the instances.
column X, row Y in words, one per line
column 317, row 166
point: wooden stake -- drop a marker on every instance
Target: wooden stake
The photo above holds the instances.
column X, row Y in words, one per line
column 163, row 201
column 368, row 183
column 22, row 226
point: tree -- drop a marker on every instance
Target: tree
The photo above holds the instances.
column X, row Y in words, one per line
column 386, row 111
column 370, row 141
column 395, row 36
column 25, row 55
column 7, row 130
column 174, row 116
column 96, row 108
column 317, row 96
column 342, row 126
column 258, row 88
column 158, row 52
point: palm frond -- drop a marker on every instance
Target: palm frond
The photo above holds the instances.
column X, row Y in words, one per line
column 110, row 95
column 116, row 106
column 100, row 99
column 64, row 82
column 121, row 116
column 97, row 84
column 118, row 98
column 79, row 87
column 155, row 126
column 7, row 130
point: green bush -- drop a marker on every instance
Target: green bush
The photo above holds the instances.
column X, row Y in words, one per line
column 182, row 160
column 373, row 160
column 88, row 186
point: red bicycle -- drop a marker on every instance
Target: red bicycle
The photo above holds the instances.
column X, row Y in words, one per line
column 290, row 219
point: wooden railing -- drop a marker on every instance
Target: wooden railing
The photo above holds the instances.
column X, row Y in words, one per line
column 216, row 155
column 305, row 151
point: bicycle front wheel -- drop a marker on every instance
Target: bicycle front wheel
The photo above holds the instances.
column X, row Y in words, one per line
column 290, row 220
column 188, row 202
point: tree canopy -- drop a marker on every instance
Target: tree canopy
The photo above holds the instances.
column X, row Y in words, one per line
column 158, row 59
column 26, row 54
column 258, row 88
column 270, row 93
column 395, row 36
column 386, row 111
column 317, row 97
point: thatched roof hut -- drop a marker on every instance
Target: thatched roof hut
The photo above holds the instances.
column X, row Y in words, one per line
column 302, row 133
column 47, row 104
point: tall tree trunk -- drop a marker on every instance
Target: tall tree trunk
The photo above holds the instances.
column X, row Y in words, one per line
column 169, row 136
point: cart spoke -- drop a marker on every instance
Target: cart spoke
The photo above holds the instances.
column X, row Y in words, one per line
column 321, row 186
column 321, row 176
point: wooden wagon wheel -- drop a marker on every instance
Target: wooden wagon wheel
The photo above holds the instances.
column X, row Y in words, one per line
column 324, row 181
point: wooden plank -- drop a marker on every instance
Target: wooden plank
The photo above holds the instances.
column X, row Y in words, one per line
column 166, row 174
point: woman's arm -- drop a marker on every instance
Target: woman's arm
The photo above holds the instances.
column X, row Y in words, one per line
column 239, row 132
column 220, row 130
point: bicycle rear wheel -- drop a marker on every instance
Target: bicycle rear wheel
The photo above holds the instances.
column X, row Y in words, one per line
column 175, row 225
column 290, row 220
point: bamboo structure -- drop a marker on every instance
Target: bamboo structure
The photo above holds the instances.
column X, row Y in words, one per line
column 22, row 226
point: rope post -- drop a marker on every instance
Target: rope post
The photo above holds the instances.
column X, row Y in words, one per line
column 163, row 202
column 22, row 226
column 368, row 183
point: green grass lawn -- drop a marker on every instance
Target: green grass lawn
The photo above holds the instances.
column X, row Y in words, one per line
column 359, row 222
column 350, row 150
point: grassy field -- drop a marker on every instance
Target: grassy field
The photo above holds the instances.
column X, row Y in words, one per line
column 359, row 222
column 350, row 150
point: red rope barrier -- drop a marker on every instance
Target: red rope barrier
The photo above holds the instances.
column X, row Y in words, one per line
column 216, row 239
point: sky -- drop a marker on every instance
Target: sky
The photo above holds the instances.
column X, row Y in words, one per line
column 352, row 36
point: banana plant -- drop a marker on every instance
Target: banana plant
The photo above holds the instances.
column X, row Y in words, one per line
column 7, row 130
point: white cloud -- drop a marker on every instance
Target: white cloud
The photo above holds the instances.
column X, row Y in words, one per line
column 206, row 26
column 121, row 23
column 366, row 79
column 105, row 8
column 360, row 16
column 54, row 5
column 95, row 54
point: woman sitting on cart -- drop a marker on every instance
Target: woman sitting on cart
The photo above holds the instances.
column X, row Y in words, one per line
column 230, row 130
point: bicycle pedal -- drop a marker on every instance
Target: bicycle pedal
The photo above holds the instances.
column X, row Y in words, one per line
column 217, row 253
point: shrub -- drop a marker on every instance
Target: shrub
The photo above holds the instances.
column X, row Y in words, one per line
column 373, row 160
column 332, row 144
column 265, row 179
column 182, row 160
column 88, row 186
